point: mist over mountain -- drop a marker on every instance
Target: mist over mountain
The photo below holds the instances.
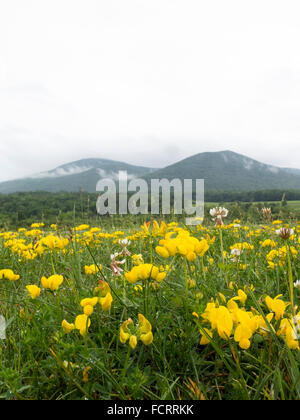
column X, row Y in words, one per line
column 230, row 171
column 222, row 171
column 71, row 177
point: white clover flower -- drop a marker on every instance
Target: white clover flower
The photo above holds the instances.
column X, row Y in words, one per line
column 236, row 252
column 114, row 256
column 124, row 242
column 213, row 212
column 297, row 284
column 285, row 233
column 218, row 213
column 116, row 270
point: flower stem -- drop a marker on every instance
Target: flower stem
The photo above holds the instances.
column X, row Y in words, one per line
column 125, row 365
column 290, row 280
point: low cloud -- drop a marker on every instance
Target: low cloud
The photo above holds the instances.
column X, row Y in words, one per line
column 210, row 77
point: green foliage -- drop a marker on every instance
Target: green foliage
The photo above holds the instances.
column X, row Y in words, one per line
column 23, row 209
column 39, row 361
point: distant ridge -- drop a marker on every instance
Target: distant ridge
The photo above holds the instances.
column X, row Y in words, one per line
column 71, row 177
column 222, row 171
column 230, row 171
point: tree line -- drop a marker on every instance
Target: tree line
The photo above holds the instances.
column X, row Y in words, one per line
column 22, row 209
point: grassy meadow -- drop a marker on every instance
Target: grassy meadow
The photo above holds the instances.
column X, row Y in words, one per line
column 160, row 311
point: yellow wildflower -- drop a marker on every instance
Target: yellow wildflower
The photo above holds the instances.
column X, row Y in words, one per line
column 9, row 275
column 88, row 305
column 145, row 272
column 143, row 332
column 104, row 293
column 82, row 323
column 53, row 282
column 85, row 376
column 91, row 269
column 33, row 290
column 276, row 305
column 106, row 302
column 204, row 340
column 67, row 327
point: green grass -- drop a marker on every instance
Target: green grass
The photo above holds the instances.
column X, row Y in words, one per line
column 291, row 204
column 39, row 361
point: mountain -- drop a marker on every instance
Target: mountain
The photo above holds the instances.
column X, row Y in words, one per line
column 222, row 171
column 82, row 174
column 229, row 171
column 293, row 171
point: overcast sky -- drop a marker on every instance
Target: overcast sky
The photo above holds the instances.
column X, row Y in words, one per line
column 148, row 82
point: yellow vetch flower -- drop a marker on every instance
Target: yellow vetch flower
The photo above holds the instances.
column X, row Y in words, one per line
column 82, row 323
column 143, row 332
column 269, row 243
column 67, row 327
column 276, row 305
column 54, row 242
column 82, row 227
column 33, row 290
column 262, row 325
column 88, row 310
column 163, row 252
column 156, row 229
column 289, row 329
column 105, row 297
column 224, row 323
column 242, row 335
column 184, row 245
column 85, row 376
column 124, row 332
column 137, row 259
column 37, row 225
column 91, row 269
column 220, row 319
column 9, row 275
column 242, row 246
column 145, row 272
column 242, row 297
column 201, row 247
column 53, row 282
column 204, row 340
column 106, row 302
column 247, row 326
column 133, row 341
column 88, row 305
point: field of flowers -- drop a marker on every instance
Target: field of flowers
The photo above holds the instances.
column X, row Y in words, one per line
column 165, row 312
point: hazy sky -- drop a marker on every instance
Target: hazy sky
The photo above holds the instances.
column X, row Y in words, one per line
column 147, row 81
